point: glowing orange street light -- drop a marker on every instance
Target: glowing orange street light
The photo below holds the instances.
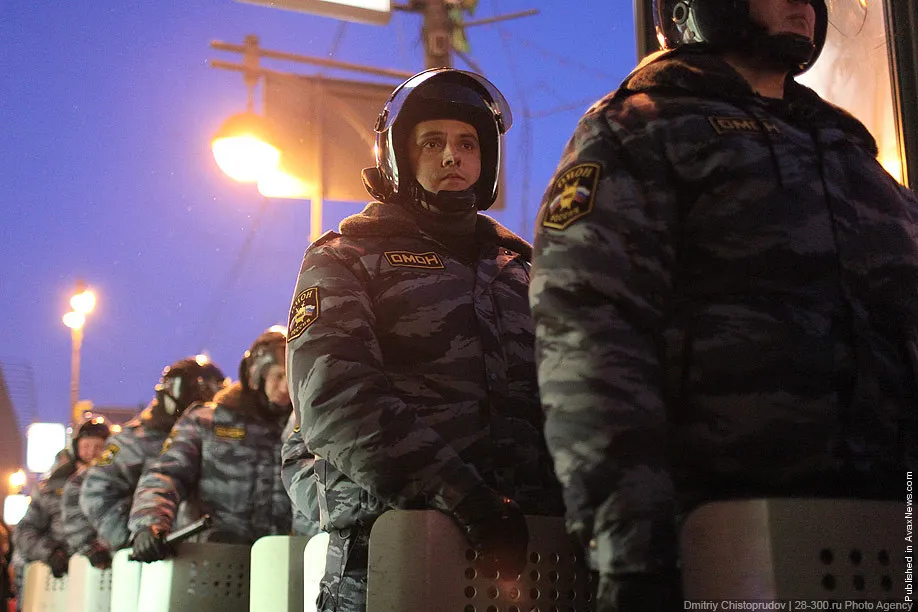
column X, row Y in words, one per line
column 83, row 302
column 243, row 148
column 17, row 481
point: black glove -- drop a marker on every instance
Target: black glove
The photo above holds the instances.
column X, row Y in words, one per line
column 150, row 545
column 58, row 562
column 639, row 593
column 99, row 556
column 496, row 528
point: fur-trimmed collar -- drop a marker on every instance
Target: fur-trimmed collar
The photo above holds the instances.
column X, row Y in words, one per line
column 701, row 72
column 233, row 399
column 385, row 220
column 237, row 400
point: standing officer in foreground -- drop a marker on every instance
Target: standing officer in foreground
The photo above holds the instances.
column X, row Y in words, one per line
column 410, row 342
column 724, row 291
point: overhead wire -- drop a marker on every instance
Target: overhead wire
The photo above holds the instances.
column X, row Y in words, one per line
column 336, row 42
column 562, row 60
column 528, row 114
column 525, row 129
column 232, row 276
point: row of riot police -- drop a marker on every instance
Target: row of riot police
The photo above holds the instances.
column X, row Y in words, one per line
column 720, row 304
column 202, row 446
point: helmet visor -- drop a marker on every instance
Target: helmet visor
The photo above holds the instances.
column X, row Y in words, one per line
column 493, row 98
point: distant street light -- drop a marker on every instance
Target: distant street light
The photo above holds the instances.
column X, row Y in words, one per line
column 83, row 301
column 17, row 481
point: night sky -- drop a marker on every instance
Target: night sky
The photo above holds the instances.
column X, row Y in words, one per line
column 107, row 111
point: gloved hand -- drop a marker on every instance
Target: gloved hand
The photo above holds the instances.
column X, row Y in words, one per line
column 58, row 562
column 150, row 545
column 639, row 593
column 99, row 556
column 496, row 528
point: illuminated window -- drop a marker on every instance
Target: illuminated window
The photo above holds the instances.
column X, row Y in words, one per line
column 853, row 72
column 43, row 442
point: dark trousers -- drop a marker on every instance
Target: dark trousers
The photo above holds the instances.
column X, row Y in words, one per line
column 344, row 585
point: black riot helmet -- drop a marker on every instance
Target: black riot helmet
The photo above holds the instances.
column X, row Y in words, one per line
column 268, row 349
column 726, row 25
column 438, row 93
column 92, row 427
column 190, row 380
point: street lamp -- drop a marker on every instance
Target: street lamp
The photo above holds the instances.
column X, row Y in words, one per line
column 83, row 301
column 248, row 147
column 244, row 149
column 17, row 481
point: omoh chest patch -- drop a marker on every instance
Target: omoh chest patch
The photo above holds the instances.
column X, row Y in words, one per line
column 404, row 259
column 230, row 433
column 725, row 125
column 303, row 312
column 571, row 196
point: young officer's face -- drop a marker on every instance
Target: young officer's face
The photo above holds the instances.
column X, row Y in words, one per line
column 784, row 16
column 89, row 448
column 445, row 155
column 276, row 385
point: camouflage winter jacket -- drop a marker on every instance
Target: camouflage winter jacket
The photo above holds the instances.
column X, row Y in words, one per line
column 41, row 530
column 725, row 292
column 79, row 534
column 108, row 485
column 413, row 372
column 298, row 475
column 228, row 455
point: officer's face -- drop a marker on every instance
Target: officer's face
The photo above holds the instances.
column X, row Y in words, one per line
column 445, row 155
column 88, row 448
column 276, row 385
column 784, row 16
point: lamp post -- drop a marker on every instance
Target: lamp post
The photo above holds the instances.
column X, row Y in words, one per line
column 247, row 147
column 82, row 302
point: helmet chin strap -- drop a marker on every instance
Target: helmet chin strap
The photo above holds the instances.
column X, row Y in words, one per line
column 445, row 201
column 786, row 51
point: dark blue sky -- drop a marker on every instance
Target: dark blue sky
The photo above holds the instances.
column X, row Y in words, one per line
column 107, row 110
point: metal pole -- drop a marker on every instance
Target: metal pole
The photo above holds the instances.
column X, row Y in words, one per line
column 318, row 193
column 499, row 18
column 437, row 32
column 301, row 59
column 645, row 32
column 76, row 336
column 902, row 40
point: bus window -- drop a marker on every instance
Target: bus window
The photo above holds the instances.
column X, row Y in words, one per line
column 854, row 73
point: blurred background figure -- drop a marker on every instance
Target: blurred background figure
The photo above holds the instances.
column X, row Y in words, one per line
column 6, row 571
column 40, row 534
column 107, row 492
column 227, row 454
